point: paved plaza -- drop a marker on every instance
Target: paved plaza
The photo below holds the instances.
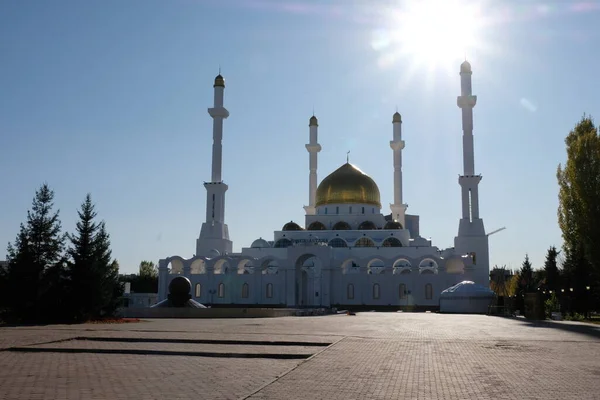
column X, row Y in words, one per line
column 367, row 356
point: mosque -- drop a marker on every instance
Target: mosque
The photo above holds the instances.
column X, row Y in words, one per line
column 349, row 253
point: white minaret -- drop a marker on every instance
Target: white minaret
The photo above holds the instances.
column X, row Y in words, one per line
column 313, row 148
column 470, row 223
column 397, row 144
column 214, row 235
column 472, row 239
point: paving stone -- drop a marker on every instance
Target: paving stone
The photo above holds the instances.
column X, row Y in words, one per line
column 375, row 356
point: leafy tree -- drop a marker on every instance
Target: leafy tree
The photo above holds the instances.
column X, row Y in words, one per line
column 577, row 271
column 94, row 287
column 579, row 194
column 513, row 285
column 148, row 270
column 147, row 279
column 35, row 262
column 500, row 279
column 551, row 268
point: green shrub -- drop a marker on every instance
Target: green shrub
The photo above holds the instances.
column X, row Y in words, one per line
column 551, row 305
column 575, row 317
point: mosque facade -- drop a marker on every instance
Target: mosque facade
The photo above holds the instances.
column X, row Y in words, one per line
column 349, row 252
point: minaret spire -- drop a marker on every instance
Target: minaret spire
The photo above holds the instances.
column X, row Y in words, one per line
column 214, row 235
column 470, row 223
column 313, row 147
column 398, row 208
column 471, row 240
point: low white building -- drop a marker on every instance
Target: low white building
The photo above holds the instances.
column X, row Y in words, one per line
column 348, row 252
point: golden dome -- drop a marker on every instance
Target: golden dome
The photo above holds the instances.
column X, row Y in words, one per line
column 348, row 185
column 219, row 81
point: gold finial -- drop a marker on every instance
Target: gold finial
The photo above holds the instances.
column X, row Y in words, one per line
column 348, row 157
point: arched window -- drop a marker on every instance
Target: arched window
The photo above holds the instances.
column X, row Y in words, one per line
column 269, row 290
column 350, row 291
column 198, row 291
column 337, row 242
column 376, row 293
column 392, row 242
column 402, row 291
column 221, row 290
column 428, row 292
column 245, row 291
column 364, row 242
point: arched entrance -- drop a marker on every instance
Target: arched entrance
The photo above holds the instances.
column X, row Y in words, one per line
column 307, row 285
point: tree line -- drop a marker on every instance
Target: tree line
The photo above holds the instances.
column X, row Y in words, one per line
column 577, row 274
column 53, row 276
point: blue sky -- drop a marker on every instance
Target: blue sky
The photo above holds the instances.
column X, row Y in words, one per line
column 110, row 97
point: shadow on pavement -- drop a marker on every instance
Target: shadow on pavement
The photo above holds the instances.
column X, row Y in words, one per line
column 574, row 327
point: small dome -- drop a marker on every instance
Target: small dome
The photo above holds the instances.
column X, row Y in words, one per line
column 465, row 67
column 260, row 243
column 342, row 226
column 348, row 185
column 292, row 226
column 317, row 226
column 313, row 121
column 367, row 225
column 397, row 117
column 392, row 225
column 219, row 81
column 214, row 253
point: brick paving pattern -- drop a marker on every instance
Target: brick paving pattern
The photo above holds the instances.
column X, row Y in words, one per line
column 375, row 356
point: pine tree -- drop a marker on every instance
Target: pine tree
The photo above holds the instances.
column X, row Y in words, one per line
column 526, row 274
column 94, row 287
column 33, row 262
column 551, row 269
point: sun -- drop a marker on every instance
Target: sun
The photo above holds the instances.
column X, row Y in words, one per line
column 433, row 33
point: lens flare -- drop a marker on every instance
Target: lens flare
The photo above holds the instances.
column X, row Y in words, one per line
column 430, row 33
